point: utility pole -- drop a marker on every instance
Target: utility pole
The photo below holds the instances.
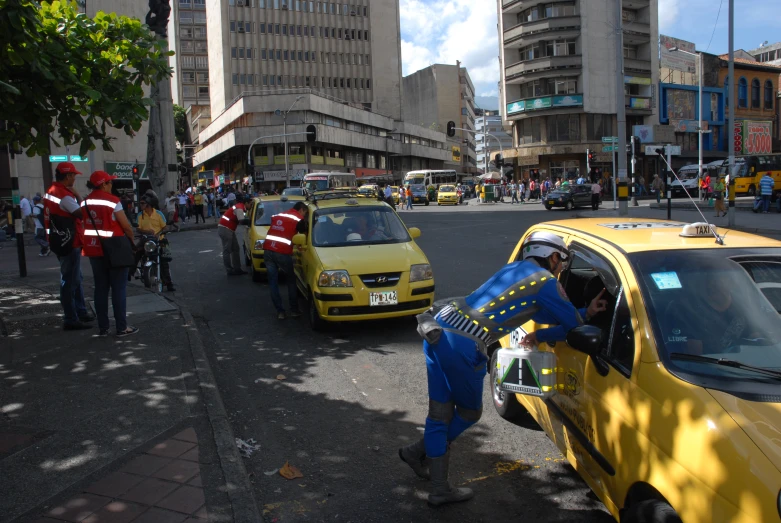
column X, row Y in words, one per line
column 17, row 211
column 623, row 207
column 731, row 114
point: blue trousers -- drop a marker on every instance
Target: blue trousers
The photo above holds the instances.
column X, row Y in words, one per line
column 71, row 291
column 114, row 280
column 274, row 263
column 766, row 202
column 456, row 371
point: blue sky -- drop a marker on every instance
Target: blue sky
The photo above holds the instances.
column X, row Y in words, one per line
column 443, row 31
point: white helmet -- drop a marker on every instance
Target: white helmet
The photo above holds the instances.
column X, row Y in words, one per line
column 543, row 244
column 354, row 236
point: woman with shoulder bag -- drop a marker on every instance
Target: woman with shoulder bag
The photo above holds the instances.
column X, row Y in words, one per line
column 108, row 243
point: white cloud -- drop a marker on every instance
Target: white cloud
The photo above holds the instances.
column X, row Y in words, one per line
column 444, row 31
column 668, row 14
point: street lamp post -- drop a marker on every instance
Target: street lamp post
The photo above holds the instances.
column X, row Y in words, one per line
column 284, row 131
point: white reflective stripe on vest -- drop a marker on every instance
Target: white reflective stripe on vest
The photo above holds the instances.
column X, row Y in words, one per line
column 102, row 234
column 223, row 217
column 52, row 198
column 104, row 203
column 278, row 239
column 296, row 218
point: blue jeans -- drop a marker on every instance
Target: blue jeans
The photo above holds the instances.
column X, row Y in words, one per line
column 409, row 204
column 456, row 371
column 766, row 202
column 71, row 291
column 275, row 262
column 109, row 279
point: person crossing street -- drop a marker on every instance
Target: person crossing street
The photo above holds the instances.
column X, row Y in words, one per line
column 278, row 255
column 226, row 229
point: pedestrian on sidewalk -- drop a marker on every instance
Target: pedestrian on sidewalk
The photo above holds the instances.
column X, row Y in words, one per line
column 63, row 219
column 106, row 219
column 718, row 195
column 766, row 186
column 27, row 215
column 182, row 206
column 657, row 187
column 596, row 191
column 278, row 254
column 409, row 198
column 402, row 197
column 210, row 203
column 226, row 229
column 40, row 231
column 171, row 204
column 198, row 206
column 514, row 189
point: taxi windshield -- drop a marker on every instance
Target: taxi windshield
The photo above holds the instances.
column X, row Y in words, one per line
column 447, row 188
column 265, row 210
column 715, row 304
column 351, row 226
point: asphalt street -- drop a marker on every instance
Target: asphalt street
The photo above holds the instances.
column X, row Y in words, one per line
column 337, row 405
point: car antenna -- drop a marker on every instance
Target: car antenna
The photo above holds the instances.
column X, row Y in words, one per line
column 719, row 239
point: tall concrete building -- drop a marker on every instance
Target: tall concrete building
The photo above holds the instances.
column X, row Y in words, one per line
column 187, row 36
column 558, row 80
column 487, row 146
column 439, row 94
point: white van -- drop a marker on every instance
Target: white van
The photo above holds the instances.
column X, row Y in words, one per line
column 689, row 181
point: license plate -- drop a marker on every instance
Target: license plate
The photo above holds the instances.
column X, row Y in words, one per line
column 378, row 299
column 551, row 202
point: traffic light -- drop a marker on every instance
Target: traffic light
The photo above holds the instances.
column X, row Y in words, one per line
column 498, row 161
column 451, row 129
column 590, row 155
column 136, row 172
column 311, row 136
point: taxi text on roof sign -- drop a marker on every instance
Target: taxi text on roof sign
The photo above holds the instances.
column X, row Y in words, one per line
column 628, row 226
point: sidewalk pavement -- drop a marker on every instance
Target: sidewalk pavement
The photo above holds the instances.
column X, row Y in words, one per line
column 742, row 204
column 109, row 430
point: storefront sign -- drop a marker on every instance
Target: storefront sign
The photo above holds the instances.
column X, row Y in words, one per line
column 570, row 100
column 654, row 133
column 524, row 161
column 206, row 175
column 363, row 172
column 261, row 160
column 124, row 170
column 280, row 176
column 640, row 103
column 637, row 80
column 516, row 107
column 676, row 60
column 753, row 137
column 546, row 102
column 687, row 126
column 456, row 153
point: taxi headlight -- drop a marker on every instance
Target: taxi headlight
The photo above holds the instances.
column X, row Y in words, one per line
column 259, row 245
column 150, row 247
column 420, row 272
column 334, row 279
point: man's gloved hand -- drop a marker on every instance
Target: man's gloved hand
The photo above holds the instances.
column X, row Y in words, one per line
column 428, row 328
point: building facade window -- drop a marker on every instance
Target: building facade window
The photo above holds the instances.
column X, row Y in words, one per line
column 203, row 78
column 203, row 90
column 564, row 128
column 567, row 170
column 529, row 131
column 742, row 93
column 599, row 125
column 755, row 94
column 199, row 32
column 768, row 94
column 188, row 91
column 188, row 78
column 202, row 62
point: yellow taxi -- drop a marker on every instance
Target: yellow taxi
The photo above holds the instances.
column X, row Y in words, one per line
column 259, row 213
column 447, row 195
column 395, row 193
column 369, row 190
column 672, row 412
column 359, row 261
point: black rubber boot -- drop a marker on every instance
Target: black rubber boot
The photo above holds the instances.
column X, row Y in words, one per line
column 414, row 455
column 441, row 491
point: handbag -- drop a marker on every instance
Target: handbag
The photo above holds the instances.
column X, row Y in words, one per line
column 62, row 232
column 117, row 250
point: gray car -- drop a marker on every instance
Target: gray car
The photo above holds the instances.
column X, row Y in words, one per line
column 569, row 197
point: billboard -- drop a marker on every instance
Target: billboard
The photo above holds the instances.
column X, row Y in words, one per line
column 753, row 137
column 124, row 170
column 681, row 104
column 456, row 153
column 675, row 60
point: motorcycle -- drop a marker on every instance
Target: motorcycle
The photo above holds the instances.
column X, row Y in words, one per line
column 156, row 250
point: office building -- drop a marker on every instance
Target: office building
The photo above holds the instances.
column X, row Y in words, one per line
column 487, row 147
column 187, row 36
column 558, row 80
column 439, row 94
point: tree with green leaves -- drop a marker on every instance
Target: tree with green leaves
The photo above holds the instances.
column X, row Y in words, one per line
column 180, row 124
column 63, row 73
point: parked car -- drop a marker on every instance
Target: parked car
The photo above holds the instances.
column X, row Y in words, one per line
column 569, row 197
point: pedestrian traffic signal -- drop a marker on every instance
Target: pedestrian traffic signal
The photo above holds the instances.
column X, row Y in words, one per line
column 451, row 129
column 136, row 172
column 590, row 155
column 311, row 136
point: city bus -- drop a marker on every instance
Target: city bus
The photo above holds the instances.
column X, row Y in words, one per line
column 429, row 177
column 749, row 170
column 321, row 181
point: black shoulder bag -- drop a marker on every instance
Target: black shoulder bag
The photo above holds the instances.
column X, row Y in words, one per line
column 117, row 250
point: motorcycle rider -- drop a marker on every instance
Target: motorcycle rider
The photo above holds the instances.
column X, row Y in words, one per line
column 152, row 222
column 456, row 342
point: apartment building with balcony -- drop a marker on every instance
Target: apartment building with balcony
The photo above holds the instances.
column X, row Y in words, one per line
column 187, row 36
column 439, row 94
column 558, row 80
column 489, row 146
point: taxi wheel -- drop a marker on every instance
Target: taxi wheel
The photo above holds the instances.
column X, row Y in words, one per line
column 569, row 206
column 506, row 404
column 315, row 321
column 651, row 511
column 548, row 207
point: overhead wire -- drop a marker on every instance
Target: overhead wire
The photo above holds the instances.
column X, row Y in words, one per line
column 715, row 25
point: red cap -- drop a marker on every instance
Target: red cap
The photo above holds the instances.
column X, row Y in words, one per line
column 100, row 177
column 67, row 168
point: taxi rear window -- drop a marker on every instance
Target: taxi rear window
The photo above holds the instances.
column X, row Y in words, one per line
column 265, row 210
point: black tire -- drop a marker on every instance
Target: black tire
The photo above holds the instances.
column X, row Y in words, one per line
column 256, row 276
column 315, row 321
column 146, row 275
column 651, row 511
column 568, row 206
column 506, row 405
column 752, row 191
column 548, row 207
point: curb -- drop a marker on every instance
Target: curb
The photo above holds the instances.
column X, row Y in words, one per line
column 238, row 487
column 198, row 227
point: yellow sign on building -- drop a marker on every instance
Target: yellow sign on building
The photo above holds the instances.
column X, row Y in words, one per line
column 456, row 153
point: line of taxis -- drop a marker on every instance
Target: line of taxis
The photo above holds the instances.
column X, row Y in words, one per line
column 672, row 413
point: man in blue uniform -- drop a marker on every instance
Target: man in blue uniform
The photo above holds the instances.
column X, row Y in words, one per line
column 456, row 342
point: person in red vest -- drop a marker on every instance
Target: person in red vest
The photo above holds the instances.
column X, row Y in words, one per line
column 226, row 229
column 105, row 218
column 62, row 221
column 278, row 248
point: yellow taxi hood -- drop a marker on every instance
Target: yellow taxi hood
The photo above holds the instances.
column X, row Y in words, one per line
column 761, row 421
column 370, row 259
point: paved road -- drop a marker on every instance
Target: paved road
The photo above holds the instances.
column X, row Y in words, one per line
column 351, row 396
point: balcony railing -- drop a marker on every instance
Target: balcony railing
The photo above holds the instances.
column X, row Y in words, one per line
column 544, row 64
column 637, row 65
column 515, row 34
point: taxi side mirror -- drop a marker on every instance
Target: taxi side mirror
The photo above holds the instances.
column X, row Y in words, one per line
column 414, row 232
column 586, row 339
column 299, row 239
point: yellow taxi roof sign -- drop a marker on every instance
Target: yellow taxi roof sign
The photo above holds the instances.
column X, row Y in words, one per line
column 699, row 230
